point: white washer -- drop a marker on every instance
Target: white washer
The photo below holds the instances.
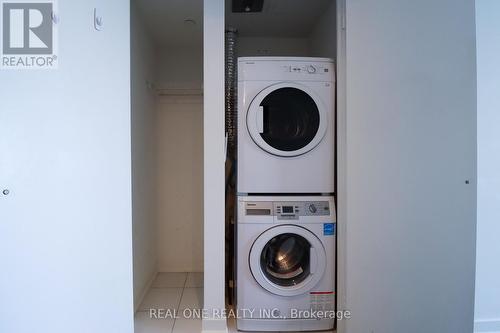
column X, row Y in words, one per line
column 285, row 263
column 286, row 125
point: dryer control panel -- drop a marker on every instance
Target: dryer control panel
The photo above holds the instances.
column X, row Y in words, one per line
column 286, row 69
column 306, row 69
column 292, row 210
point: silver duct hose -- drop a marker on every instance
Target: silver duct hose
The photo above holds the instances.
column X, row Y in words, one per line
column 231, row 79
column 231, row 131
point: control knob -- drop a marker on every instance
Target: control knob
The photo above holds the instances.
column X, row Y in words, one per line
column 312, row 208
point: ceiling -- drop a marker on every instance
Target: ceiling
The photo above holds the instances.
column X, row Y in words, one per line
column 279, row 18
column 165, row 19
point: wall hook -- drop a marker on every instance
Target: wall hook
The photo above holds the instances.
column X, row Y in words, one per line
column 55, row 18
column 98, row 21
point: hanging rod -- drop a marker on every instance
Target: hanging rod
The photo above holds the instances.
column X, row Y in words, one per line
column 180, row 92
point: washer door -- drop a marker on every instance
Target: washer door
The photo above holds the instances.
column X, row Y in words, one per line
column 287, row 119
column 287, row 260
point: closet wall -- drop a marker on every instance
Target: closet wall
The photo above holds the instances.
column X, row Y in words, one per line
column 487, row 305
column 167, row 144
column 179, row 150
column 323, row 37
column 180, row 67
column 272, row 46
column 319, row 40
column 179, row 176
column 143, row 154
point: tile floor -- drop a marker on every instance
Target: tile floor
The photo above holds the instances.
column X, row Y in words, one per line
column 173, row 291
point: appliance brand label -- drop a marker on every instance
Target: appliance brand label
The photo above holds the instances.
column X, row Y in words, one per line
column 329, row 229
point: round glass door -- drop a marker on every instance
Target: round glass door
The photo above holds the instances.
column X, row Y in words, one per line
column 287, row 119
column 287, row 260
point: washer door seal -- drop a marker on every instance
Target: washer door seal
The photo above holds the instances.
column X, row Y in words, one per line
column 287, row 260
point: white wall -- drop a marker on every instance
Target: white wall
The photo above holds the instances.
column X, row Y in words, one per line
column 143, row 156
column 179, row 169
column 323, row 37
column 272, row 46
column 180, row 67
column 214, row 162
column 179, row 177
column 66, row 227
column 411, row 146
column 487, row 310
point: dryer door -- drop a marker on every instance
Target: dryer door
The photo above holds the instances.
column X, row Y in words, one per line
column 287, row 119
column 287, row 260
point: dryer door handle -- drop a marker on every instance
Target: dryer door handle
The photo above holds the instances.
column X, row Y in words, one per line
column 260, row 119
column 313, row 256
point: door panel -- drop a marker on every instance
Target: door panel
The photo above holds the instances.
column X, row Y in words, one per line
column 411, row 158
column 65, row 227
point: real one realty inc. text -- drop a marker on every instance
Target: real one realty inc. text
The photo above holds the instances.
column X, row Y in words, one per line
column 189, row 313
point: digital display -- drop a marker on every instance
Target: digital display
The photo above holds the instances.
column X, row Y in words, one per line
column 287, row 209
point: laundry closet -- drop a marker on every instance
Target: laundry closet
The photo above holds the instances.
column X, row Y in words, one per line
column 185, row 138
column 280, row 170
column 167, row 153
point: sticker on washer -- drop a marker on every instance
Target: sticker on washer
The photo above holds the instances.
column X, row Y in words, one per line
column 322, row 300
column 329, row 229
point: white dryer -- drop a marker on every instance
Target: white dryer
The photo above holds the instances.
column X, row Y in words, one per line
column 286, row 125
column 285, row 263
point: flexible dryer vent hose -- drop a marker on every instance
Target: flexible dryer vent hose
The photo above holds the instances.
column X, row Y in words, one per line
column 231, row 163
column 231, row 81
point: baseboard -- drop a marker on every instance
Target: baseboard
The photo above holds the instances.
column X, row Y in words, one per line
column 214, row 326
column 144, row 292
column 487, row 325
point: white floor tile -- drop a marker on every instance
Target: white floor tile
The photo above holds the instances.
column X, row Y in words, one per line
column 165, row 298
column 187, row 326
column 170, row 280
column 194, row 280
column 192, row 298
column 145, row 324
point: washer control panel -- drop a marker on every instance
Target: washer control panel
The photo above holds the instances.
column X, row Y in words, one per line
column 292, row 210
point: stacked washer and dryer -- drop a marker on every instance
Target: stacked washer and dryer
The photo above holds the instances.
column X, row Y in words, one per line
column 286, row 220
